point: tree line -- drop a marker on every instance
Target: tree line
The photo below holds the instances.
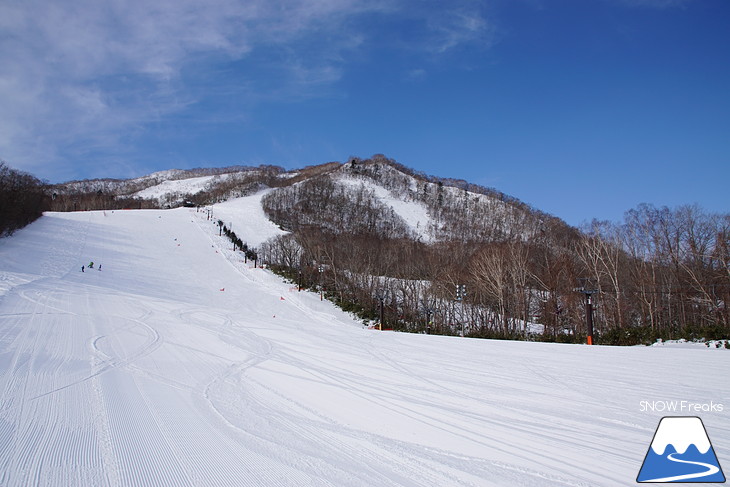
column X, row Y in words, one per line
column 22, row 199
column 661, row 273
column 668, row 285
column 238, row 244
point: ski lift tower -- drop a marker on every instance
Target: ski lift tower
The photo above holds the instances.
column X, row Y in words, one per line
column 460, row 295
column 588, row 288
column 381, row 295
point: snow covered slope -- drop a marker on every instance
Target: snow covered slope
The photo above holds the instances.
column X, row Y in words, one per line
column 175, row 186
column 245, row 216
column 177, row 364
column 414, row 213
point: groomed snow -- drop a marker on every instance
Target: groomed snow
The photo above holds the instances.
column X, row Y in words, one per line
column 178, row 364
column 246, row 217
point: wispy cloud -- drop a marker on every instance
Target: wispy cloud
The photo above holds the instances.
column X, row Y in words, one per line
column 75, row 76
column 81, row 77
column 462, row 25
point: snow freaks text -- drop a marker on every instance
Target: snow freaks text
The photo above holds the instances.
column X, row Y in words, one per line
column 682, row 407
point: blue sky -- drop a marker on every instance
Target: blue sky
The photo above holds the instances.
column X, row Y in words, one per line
column 581, row 108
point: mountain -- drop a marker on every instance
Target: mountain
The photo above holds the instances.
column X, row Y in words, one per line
column 393, row 244
column 163, row 189
column 360, row 196
column 378, row 238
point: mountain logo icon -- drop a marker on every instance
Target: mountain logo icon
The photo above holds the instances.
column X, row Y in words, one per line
column 680, row 452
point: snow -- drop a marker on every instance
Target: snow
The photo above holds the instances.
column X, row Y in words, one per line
column 245, row 216
column 179, row 364
column 414, row 213
column 179, row 186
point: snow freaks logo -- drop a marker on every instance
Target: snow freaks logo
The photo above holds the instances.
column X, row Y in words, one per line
column 685, row 407
column 681, row 452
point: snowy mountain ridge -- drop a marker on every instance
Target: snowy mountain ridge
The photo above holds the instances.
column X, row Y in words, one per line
column 431, row 208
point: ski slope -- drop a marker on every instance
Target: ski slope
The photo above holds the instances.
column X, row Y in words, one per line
column 176, row 187
column 414, row 213
column 246, row 217
column 177, row 364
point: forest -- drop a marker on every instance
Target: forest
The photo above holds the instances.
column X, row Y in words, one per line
column 22, row 199
column 497, row 268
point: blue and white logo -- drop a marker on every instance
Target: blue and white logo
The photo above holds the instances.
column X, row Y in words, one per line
column 681, row 452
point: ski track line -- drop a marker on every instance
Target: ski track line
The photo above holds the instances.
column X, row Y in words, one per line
column 528, row 430
column 17, row 363
column 26, row 436
column 38, row 453
column 262, row 349
column 258, row 350
column 143, row 455
column 109, row 464
column 305, row 439
column 169, row 463
column 405, row 464
column 259, row 439
column 252, row 470
column 109, row 363
column 436, row 419
column 322, row 316
column 410, row 469
column 43, row 456
column 274, row 435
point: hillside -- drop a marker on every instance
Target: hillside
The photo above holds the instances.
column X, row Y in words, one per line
column 393, row 244
column 178, row 364
column 353, row 197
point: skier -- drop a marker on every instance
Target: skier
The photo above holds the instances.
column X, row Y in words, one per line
column 82, row 268
column 99, row 267
column 91, row 264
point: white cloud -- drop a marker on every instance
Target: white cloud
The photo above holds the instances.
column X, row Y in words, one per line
column 78, row 76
